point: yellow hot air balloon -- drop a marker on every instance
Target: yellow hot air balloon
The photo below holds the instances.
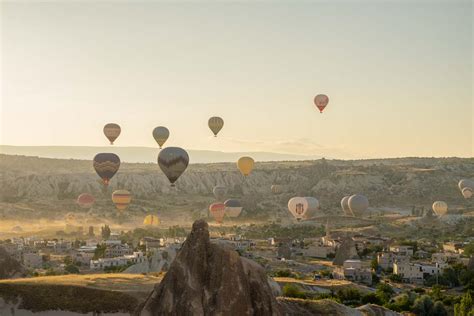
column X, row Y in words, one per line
column 151, row 220
column 440, row 208
column 245, row 165
column 215, row 124
column 121, row 199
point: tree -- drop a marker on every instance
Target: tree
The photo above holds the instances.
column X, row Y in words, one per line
column 374, row 264
column 439, row 309
column 105, row 232
column 67, row 260
column 99, row 252
column 384, row 292
column 465, row 307
column 423, row 305
column 370, row 298
column 291, row 290
column 71, row 269
column 469, row 249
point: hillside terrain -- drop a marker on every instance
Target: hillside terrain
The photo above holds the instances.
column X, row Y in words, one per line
column 50, row 186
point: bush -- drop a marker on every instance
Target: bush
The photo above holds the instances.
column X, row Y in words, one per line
column 286, row 273
column 71, row 269
column 370, row 298
column 395, row 278
column 292, row 290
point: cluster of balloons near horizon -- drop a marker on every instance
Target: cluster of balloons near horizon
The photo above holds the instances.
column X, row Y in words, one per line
column 172, row 161
column 230, row 208
column 354, row 205
column 467, row 188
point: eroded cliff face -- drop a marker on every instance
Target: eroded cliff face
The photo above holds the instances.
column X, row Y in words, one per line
column 386, row 182
column 208, row 279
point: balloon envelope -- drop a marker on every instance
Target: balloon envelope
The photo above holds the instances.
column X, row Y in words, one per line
column 465, row 183
column 173, row 161
column 298, row 206
column 277, row 189
column 215, row 124
column 217, row 211
column 345, row 206
column 313, row 207
column 112, row 131
column 233, row 207
column 440, row 208
column 467, row 192
column 121, row 199
column 151, row 220
column 321, row 101
column 106, row 165
column 219, row 192
column 358, row 204
column 161, row 134
column 245, row 165
column 85, row 200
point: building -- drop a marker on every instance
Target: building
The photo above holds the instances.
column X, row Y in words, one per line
column 355, row 271
column 318, row 251
column 402, row 251
column 415, row 272
column 386, row 259
column 117, row 250
column 136, row 257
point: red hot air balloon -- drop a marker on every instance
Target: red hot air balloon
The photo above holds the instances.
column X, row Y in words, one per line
column 321, row 101
column 217, row 211
column 85, row 200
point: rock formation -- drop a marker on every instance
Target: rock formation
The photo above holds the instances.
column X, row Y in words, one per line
column 208, row 279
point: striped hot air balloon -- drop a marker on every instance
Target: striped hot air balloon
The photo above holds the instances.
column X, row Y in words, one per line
column 173, row 161
column 106, row 165
column 85, row 200
column 121, row 199
column 161, row 134
column 233, row 207
column 215, row 124
column 151, row 220
column 112, row 131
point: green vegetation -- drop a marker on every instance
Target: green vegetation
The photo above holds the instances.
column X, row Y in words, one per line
column 293, row 290
column 466, row 306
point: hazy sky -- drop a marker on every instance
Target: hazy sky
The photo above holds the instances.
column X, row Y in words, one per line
column 398, row 74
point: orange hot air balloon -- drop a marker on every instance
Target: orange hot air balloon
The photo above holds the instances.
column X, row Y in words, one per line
column 245, row 165
column 121, row 199
column 217, row 211
column 321, row 101
column 85, row 200
column 112, row 131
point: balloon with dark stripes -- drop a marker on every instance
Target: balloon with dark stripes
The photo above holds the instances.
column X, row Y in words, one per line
column 173, row 161
column 106, row 165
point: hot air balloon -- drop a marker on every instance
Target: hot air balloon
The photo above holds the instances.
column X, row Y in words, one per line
column 121, row 199
column 467, row 192
column 161, row 134
column 465, row 183
column 112, row 131
column 217, row 211
column 151, row 220
column 440, row 208
column 173, row 161
column 219, row 192
column 245, row 165
column 298, row 206
column 321, row 101
column 345, row 206
column 313, row 207
column 85, row 200
column 233, row 207
column 215, row 124
column 358, row 204
column 106, row 165
column 277, row 189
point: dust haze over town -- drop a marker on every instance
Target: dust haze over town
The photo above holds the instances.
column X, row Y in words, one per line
column 317, row 154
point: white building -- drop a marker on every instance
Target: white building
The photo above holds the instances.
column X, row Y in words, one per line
column 414, row 272
column 355, row 271
column 136, row 257
column 402, row 251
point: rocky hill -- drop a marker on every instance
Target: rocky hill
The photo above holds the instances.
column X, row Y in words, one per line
column 9, row 267
column 399, row 183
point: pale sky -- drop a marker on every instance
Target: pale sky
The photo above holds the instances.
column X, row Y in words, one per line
column 398, row 75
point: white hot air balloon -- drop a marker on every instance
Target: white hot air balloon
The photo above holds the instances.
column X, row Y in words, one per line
column 313, row 207
column 465, row 183
column 467, row 192
column 358, row 204
column 440, row 208
column 298, row 206
column 345, row 206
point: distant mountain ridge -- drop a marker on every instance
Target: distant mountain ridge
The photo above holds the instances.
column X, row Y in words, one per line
column 142, row 154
